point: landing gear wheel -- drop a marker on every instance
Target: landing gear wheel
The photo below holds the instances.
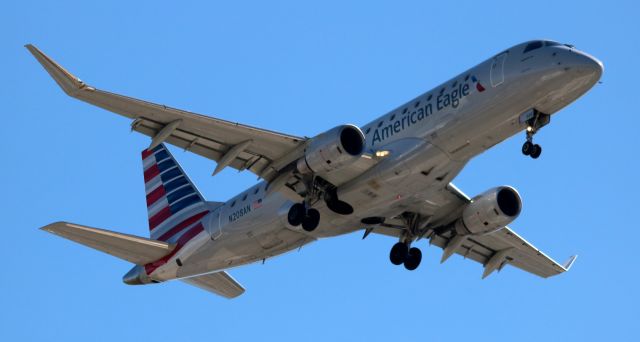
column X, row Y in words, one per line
column 311, row 220
column 413, row 259
column 296, row 214
column 527, row 148
column 535, row 121
column 399, row 253
column 536, row 151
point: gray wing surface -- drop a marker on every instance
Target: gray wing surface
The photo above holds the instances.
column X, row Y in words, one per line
column 220, row 283
column 494, row 250
column 231, row 144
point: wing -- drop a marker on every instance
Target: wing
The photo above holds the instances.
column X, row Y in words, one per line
column 494, row 251
column 231, row 144
column 220, row 283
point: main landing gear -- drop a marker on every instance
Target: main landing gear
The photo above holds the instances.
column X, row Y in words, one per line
column 300, row 214
column 537, row 121
column 402, row 254
column 317, row 189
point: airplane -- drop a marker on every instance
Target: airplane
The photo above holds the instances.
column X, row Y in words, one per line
column 391, row 176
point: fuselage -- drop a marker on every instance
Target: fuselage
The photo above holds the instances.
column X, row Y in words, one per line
column 425, row 143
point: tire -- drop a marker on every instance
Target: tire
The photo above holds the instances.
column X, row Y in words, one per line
column 537, row 150
column 413, row 259
column 311, row 221
column 296, row 214
column 399, row 253
column 527, row 148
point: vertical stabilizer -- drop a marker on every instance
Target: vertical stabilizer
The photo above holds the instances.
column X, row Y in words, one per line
column 174, row 205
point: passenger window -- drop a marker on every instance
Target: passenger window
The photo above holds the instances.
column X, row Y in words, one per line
column 256, row 191
column 244, row 198
column 533, row 46
column 392, row 117
column 233, row 204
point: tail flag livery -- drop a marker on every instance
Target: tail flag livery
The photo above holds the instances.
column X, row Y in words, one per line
column 174, row 205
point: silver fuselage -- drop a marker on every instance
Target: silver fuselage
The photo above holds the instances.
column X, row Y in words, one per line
column 429, row 140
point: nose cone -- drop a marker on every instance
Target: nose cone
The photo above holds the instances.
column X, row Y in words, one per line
column 587, row 65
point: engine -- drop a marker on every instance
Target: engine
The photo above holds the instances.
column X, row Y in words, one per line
column 490, row 211
column 333, row 149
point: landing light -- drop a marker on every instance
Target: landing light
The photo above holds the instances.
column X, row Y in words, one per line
column 382, row 153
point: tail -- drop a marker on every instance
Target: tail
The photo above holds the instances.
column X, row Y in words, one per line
column 174, row 205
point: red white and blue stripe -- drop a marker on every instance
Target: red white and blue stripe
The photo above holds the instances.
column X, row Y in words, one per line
column 174, row 205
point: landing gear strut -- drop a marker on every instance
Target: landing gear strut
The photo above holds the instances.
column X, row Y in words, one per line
column 537, row 121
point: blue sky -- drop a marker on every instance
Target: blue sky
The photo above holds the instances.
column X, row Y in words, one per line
column 303, row 68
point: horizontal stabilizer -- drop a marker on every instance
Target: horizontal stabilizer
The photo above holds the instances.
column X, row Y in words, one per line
column 132, row 248
column 220, row 283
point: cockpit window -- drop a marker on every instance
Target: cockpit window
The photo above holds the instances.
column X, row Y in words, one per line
column 550, row 43
column 532, row 46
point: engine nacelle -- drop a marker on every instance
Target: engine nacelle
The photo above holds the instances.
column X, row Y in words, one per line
column 333, row 149
column 490, row 211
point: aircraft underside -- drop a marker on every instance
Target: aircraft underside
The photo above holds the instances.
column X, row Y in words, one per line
column 391, row 176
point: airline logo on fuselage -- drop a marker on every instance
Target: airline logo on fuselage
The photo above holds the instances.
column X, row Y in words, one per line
column 438, row 103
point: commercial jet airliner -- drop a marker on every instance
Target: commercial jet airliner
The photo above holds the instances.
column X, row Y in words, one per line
column 391, row 176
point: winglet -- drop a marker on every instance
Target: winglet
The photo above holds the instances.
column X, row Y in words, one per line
column 567, row 264
column 66, row 80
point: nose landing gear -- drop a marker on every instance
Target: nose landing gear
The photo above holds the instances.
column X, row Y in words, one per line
column 535, row 120
column 530, row 149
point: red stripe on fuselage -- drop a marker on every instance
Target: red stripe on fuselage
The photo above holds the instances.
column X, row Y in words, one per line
column 182, row 241
column 182, row 225
column 151, row 172
column 155, row 195
column 159, row 217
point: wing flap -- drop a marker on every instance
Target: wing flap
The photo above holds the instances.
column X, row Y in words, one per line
column 220, row 283
column 523, row 255
column 132, row 248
